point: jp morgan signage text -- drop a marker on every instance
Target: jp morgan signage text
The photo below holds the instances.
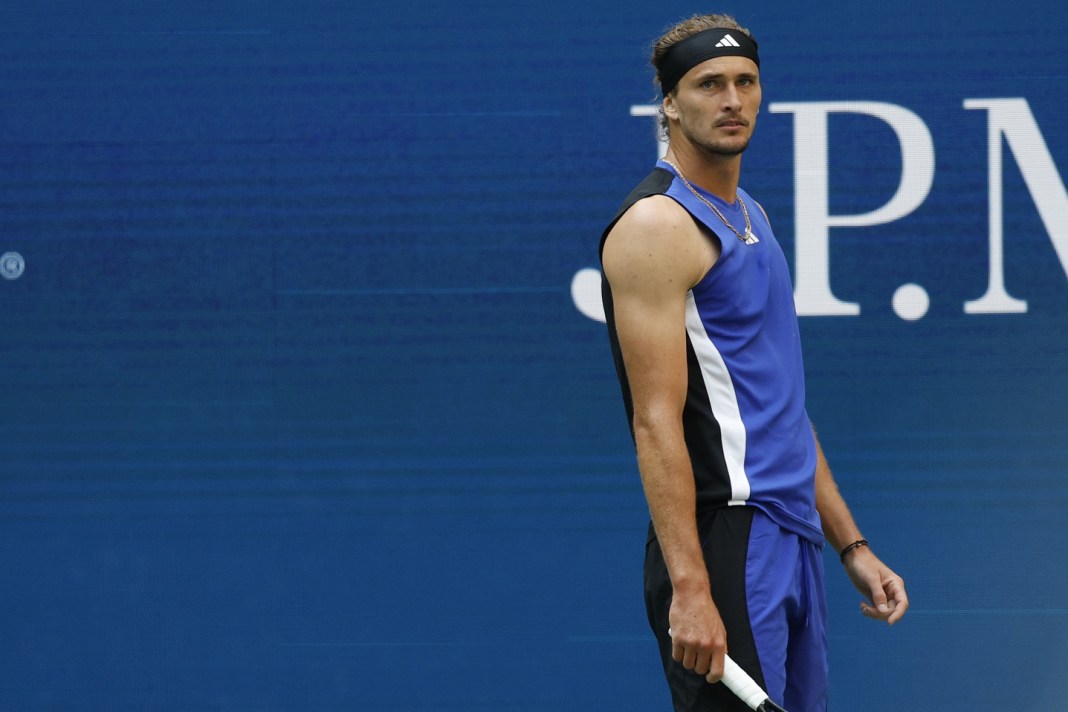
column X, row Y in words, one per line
column 1009, row 119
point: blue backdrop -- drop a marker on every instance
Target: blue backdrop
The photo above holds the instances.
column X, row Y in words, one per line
column 305, row 400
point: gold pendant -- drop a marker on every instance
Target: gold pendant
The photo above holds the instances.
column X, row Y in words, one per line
column 751, row 238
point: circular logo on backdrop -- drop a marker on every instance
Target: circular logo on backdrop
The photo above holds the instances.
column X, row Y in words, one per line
column 12, row 265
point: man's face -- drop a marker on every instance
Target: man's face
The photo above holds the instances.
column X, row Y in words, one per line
column 715, row 105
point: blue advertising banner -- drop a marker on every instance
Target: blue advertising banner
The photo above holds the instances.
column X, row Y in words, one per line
column 307, row 398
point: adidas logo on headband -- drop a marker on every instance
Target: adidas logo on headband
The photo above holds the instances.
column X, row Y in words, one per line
column 728, row 41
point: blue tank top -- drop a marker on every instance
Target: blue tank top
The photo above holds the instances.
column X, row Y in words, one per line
column 747, row 431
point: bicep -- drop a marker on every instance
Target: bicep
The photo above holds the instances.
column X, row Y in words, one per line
column 652, row 339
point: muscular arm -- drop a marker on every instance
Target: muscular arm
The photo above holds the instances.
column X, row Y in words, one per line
column 652, row 257
column 883, row 588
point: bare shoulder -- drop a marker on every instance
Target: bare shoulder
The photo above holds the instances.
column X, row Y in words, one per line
column 656, row 239
column 653, row 220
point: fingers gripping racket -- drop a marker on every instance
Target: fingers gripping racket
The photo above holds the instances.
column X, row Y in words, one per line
column 745, row 688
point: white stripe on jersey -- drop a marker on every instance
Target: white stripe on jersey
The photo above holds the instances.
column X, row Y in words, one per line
column 724, row 402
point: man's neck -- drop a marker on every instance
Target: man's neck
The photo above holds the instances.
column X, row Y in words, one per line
column 715, row 173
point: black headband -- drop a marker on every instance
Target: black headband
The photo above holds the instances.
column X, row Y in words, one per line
column 705, row 45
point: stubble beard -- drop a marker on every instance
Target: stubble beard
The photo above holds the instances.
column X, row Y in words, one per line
column 722, row 150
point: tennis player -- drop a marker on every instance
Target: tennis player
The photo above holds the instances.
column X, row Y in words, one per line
column 703, row 330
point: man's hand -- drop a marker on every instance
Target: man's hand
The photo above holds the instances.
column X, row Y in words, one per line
column 698, row 639
column 885, row 590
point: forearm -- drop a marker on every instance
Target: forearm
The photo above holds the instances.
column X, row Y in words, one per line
column 883, row 588
column 670, row 491
column 838, row 524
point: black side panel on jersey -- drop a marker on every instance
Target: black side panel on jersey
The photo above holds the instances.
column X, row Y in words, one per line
column 704, row 439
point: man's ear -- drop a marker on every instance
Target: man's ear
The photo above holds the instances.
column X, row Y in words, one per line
column 670, row 110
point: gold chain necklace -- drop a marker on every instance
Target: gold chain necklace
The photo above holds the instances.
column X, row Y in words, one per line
column 749, row 237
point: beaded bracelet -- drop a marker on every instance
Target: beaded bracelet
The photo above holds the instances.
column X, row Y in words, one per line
column 855, row 545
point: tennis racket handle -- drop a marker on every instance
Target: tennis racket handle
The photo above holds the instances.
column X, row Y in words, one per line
column 743, row 686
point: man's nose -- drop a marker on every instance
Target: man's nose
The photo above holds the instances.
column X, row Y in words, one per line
column 731, row 98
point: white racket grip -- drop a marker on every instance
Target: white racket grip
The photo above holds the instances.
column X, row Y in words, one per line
column 743, row 686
